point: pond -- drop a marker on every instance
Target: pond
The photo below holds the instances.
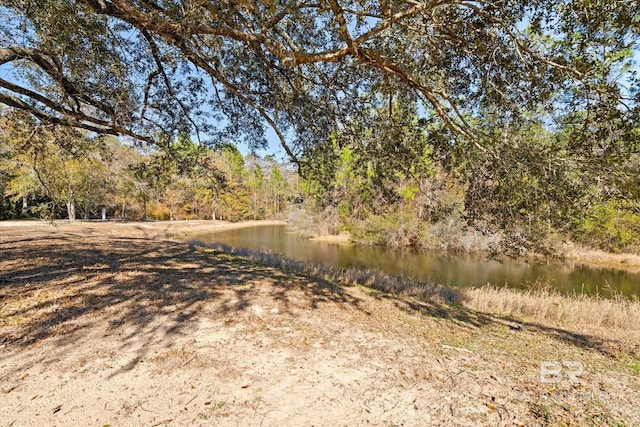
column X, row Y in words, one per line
column 456, row 270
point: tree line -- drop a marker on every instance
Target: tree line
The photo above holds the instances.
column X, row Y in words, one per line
column 390, row 185
column 399, row 182
column 49, row 171
column 516, row 119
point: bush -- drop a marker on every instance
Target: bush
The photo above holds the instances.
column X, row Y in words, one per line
column 609, row 227
column 157, row 211
column 392, row 229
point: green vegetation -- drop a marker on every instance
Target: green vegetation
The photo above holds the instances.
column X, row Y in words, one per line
column 611, row 225
column 482, row 125
column 55, row 172
column 422, row 195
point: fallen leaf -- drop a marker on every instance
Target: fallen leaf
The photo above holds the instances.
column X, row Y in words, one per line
column 207, row 403
column 490, row 406
column 245, row 386
column 57, row 409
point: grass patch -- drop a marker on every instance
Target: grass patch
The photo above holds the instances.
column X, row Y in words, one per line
column 617, row 317
column 382, row 282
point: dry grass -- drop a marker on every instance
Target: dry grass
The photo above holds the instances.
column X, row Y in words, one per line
column 582, row 255
column 397, row 286
column 617, row 317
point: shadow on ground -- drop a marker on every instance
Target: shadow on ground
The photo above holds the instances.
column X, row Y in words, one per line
column 56, row 286
column 59, row 286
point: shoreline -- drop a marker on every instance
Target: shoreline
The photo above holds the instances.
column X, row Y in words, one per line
column 569, row 254
column 147, row 229
column 342, row 239
column 600, row 259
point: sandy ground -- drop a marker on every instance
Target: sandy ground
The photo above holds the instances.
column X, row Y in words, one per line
column 117, row 324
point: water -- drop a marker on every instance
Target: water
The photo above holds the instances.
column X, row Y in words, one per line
column 457, row 270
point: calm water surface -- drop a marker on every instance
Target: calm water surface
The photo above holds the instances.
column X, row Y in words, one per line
column 441, row 267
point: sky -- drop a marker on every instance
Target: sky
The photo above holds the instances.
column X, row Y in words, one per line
column 274, row 148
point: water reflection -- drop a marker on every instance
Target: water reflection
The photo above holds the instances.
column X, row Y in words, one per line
column 450, row 269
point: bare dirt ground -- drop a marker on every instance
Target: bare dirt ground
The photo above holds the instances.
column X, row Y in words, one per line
column 110, row 324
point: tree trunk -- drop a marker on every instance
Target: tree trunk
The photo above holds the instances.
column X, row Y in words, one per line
column 124, row 201
column 71, row 207
column 144, row 209
column 255, row 205
column 86, row 207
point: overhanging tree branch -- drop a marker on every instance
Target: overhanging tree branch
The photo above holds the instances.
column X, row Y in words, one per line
column 324, row 51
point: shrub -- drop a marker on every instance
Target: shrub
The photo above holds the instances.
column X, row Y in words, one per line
column 610, row 227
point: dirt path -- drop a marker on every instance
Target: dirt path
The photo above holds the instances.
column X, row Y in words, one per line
column 104, row 324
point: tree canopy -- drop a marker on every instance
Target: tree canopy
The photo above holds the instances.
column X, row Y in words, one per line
column 151, row 69
column 44, row 168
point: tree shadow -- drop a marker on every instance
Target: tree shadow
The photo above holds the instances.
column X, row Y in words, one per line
column 468, row 317
column 61, row 287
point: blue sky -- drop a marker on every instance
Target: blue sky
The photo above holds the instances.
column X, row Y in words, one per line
column 274, row 149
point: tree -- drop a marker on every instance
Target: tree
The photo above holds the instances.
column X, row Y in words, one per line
column 151, row 70
column 402, row 87
column 48, row 160
column 277, row 184
column 255, row 186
